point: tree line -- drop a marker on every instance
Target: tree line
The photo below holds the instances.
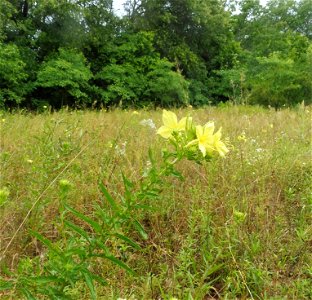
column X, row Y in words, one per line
column 160, row 53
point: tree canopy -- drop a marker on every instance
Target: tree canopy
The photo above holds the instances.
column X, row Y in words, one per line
column 160, row 53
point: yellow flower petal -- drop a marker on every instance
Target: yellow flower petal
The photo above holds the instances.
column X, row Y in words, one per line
column 169, row 119
column 164, row 131
column 182, row 124
column 221, row 148
column 209, row 128
column 202, row 148
column 171, row 124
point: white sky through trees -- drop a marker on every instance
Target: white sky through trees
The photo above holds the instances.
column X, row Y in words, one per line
column 118, row 5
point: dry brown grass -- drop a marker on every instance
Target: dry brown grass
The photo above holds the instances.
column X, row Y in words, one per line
column 267, row 177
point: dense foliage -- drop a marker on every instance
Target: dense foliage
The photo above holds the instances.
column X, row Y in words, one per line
column 160, row 53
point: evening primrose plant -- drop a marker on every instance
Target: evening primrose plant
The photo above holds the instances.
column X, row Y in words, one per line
column 195, row 142
column 115, row 227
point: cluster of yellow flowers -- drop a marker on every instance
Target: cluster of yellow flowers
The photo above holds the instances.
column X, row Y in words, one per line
column 203, row 137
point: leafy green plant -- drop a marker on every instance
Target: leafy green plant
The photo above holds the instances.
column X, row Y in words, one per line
column 74, row 258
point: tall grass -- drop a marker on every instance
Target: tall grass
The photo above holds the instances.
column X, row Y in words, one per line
column 238, row 227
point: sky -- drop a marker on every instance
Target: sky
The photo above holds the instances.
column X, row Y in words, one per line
column 118, row 5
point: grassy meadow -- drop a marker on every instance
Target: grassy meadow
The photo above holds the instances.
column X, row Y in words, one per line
column 233, row 228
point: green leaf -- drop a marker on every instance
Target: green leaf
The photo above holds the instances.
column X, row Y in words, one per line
column 81, row 252
column 77, row 229
column 102, row 246
column 5, row 285
column 108, row 197
column 45, row 279
column 99, row 279
column 126, row 181
column 144, row 207
column 90, row 284
column 46, row 242
column 116, row 261
column 213, row 270
column 140, row 229
column 128, row 241
column 150, row 156
column 5, row 270
column 95, row 225
column 27, row 294
column 128, row 186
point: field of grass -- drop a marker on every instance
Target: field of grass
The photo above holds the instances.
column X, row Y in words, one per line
column 233, row 228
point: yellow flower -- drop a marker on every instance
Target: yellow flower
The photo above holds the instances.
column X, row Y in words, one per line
column 218, row 144
column 204, row 139
column 171, row 124
column 207, row 141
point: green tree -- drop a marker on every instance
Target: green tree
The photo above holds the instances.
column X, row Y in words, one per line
column 13, row 76
column 194, row 35
column 137, row 76
column 275, row 42
column 280, row 26
column 277, row 81
column 64, row 78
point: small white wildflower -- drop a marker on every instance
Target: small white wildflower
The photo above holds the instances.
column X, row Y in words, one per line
column 147, row 168
column 259, row 150
column 149, row 123
column 121, row 150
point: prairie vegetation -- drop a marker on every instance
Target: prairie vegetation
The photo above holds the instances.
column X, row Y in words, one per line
column 233, row 228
